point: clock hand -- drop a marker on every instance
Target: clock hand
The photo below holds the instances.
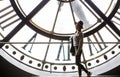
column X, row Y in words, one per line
column 106, row 19
column 24, row 21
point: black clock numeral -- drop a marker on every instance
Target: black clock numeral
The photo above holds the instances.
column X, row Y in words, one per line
column 10, row 17
column 106, row 19
column 32, row 39
column 95, row 44
column 116, row 19
column 24, row 21
column 66, row 57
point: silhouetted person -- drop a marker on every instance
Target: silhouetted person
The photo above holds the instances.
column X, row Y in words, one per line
column 77, row 44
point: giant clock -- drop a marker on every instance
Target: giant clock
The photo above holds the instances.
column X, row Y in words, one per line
column 34, row 34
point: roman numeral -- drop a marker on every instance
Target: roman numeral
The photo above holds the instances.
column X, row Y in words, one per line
column 96, row 43
column 116, row 18
column 32, row 39
column 7, row 17
column 61, row 52
column 24, row 21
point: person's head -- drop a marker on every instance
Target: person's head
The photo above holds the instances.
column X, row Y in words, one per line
column 79, row 25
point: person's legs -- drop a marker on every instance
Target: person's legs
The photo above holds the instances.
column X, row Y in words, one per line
column 84, row 69
column 78, row 64
column 81, row 67
column 77, row 61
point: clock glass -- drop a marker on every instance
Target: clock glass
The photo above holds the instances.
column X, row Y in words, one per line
column 36, row 32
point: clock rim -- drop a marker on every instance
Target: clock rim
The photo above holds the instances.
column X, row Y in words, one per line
column 95, row 71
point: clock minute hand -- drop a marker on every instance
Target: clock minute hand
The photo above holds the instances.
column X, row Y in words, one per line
column 24, row 21
column 106, row 19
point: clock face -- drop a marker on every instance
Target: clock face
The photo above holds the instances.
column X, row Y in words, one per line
column 36, row 33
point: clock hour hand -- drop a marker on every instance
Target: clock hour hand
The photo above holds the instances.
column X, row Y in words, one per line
column 106, row 19
column 24, row 21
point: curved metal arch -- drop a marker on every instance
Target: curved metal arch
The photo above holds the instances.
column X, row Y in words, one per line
column 61, row 37
column 104, row 23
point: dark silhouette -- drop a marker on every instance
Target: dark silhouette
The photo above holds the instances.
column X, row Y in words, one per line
column 76, row 48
